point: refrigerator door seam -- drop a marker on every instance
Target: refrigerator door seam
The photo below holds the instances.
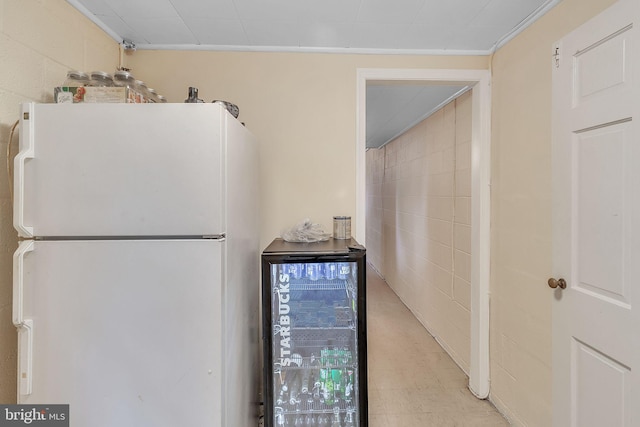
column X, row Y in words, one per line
column 220, row 237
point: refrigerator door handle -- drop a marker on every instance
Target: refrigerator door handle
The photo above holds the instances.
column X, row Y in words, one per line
column 24, row 326
column 25, row 363
column 18, row 279
column 27, row 151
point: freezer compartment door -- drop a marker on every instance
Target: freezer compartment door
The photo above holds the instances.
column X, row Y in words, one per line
column 120, row 170
column 126, row 332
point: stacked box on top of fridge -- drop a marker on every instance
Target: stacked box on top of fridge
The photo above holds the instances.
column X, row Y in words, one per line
column 97, row 94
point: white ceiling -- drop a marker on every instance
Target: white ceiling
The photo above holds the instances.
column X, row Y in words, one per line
column 393, row 109
column 451, row 27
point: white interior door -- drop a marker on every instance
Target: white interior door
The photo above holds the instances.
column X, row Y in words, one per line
column 596, row 214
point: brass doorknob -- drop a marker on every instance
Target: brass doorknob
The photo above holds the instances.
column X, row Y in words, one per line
column 560, row 283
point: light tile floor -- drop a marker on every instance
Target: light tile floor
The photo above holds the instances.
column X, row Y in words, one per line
column 412, row 381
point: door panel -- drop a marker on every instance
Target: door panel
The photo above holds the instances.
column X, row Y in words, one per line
column 599, row 379
column 593, row 79
column 596, row 222
column 602, row 76
column 121, row 170
column 128, row 333
column 599, row 190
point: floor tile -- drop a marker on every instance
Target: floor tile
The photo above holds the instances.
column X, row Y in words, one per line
column 412, row 380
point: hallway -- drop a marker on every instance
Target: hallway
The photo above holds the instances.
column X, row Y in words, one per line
column 412, row 381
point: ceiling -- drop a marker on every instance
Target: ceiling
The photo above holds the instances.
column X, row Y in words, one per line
column 448, row 27
column 393, row 109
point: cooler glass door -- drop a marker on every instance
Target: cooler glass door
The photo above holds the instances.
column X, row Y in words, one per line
column 314, row 344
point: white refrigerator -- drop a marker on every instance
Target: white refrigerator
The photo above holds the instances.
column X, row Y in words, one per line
column 136, row 280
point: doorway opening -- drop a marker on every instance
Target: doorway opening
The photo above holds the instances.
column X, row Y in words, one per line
column 479, row 82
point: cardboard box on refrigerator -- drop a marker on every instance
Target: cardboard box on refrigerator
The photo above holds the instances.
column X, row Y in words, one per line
column 96, row 94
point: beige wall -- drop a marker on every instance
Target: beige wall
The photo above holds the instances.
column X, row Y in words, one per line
column 302, row 107
column 39, row 41
column 375, row 159
column 420, row 194
column 521, row 215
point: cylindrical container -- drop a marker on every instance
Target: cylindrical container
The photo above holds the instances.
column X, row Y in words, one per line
column 153, row 95
column 331, row 270
column 76, row 79
column 100, row 78
column 314, row 271
column 343, row 270
column 122, row 78
column 341, row 227
column 297, row 271
column 285, row 268
column 141, row 88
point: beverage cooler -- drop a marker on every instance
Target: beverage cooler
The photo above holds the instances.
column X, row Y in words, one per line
column 314, row 331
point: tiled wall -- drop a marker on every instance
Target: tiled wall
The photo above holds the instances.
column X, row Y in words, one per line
column 39, row 41
column 374, row 183
column 419, row 223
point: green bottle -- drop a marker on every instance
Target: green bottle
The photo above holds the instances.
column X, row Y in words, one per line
column 329, row 389
column 336, row 378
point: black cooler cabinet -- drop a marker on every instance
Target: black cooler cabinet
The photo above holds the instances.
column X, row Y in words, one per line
column 314, row 334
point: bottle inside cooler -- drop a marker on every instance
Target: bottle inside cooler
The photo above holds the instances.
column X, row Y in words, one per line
column 314, row 308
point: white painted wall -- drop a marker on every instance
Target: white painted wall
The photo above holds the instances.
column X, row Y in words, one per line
column 301, row 106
